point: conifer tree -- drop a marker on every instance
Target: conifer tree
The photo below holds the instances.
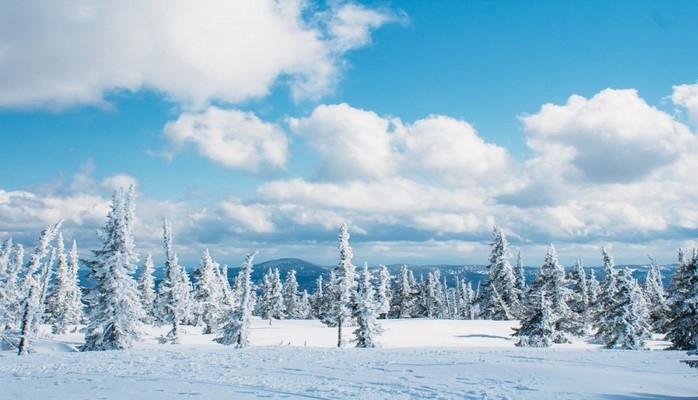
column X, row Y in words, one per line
column 305, row 311
column 366, row 314
column 550, row 280
column 656, row 297
column 683, row 315
column 627, row 324
column 520, row 276
column 208, row 293
column 537, row 327
column 607, row 290
column 146, row 287
column 329, row 294
column 11, row 294
column 236, row 331
column 498, row 294
column 292, row 302
column 594, row 290
column 403, row 300
column 114, row 308
column 345, row 284
column 431, row 301
column 272, row 301
column 64, row 305
column 318, row 302
column 580, row 302
column 383, row 292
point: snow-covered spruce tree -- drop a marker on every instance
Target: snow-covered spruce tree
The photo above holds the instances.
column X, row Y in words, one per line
column 627, row 325
column 383, row 292
column 465, row 298
column 682, row 328
column 318, row 300
column 64, row 302
column 594, row 292
column 174, row 294
column 607, row 290
column 11, row 294
column 537, row 328
column 292, row 301
column 271, row 304
column 208, row 294
column 5, row 252
column 146, row 288
column 403, row 301
column 653, row 290
column 366, row 311
column 499, row 297
column 579, row 303
column 345, row 275
column 431, row 301
column 520, row 276
column 114, row 308
column 329, row 294
column 551, row 280
column 305, row 311
column 236, row 331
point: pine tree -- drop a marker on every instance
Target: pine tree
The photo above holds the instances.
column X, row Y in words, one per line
column 318, row 303
column 366, row 313
column 292, row 302
column 627, row 325
column 146, row 287
column 174, row 293
column 580, row 302
column 305, row 311
column 208, row 293
column 607, row 290
column 11, row 294
column 656, row 297
column 550, row 280
column 383, row 292
column 114, row 307
column 403, row 301
column 594, row 291
column 344, row 284
column 498, row 294
column 236, row 331
column 682, row 327
column 64, row 305
column 431, row 300
column 520, row 276
column 329, row 292
column 537, row 327
column 271, row 305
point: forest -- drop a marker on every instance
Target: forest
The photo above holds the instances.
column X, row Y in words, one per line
column 553, row 307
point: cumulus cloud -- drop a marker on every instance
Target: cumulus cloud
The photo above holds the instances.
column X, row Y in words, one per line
column 613, row 137
column 359, row 144
column 232, row 138
column 686, row 96
column 117, row 181
column 59, row 54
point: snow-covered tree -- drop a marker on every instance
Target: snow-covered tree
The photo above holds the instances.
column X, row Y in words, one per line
column 653, row 289
column 146, row 287
column 319, row 303
column 580, row 303
column 329, row 292
column 465, row 299
column 345, row 275
column 236, row 331
column 383, row 292
column 627, row 324
column 174, row 297
column 271, row 304
column 551, row 280
column 594, row 291
column 499, row 297
column 431, row 301
column 114, row 308
column 64, row 305
column 305, row 311
column 365, row 311
column 520, row 275
column 682, row 327
column 11, row 294
column 208, row 293
column 292, row 302
column 537, row 327
column 607, row 290
column 403, row 301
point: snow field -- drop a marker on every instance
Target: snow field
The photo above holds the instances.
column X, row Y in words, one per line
column 296, row 359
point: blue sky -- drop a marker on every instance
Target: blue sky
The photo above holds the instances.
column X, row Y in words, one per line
column 257, row 125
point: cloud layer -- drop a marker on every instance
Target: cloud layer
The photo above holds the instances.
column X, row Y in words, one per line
column 65, row 53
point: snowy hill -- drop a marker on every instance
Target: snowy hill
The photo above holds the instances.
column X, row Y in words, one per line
column 436, row 359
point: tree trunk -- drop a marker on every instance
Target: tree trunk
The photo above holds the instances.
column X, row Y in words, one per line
column 339, row 332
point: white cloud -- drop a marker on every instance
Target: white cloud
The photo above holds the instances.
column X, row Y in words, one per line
column 613, row 137
column 687, row 96
column 115, row 182
column 62, row 53
column 251, row 218
column 352, row 143
column 232, row 138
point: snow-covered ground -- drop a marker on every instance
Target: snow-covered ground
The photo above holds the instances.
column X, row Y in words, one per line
column 419, row 359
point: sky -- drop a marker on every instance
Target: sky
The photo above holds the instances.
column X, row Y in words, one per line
column 265, row 125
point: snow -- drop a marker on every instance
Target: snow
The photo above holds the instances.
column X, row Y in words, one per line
column 295, row 359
